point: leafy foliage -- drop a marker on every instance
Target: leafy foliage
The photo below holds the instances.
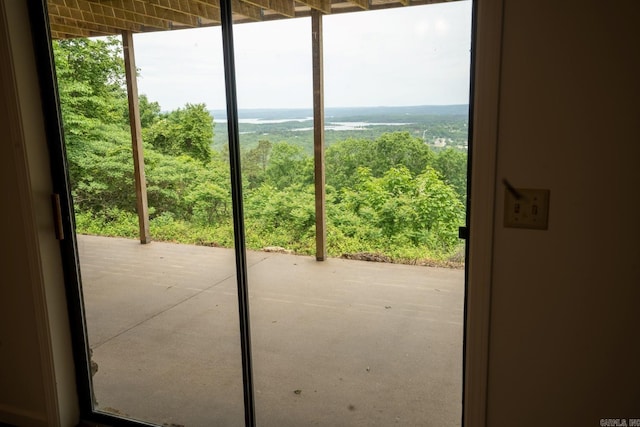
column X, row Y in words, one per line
column 452, row 165
column 388, row 151
column 187, row 130
column 255, row 162
column 392, row 195
column 288, row 166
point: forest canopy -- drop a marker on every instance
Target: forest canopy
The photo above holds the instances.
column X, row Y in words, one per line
column 391, row 195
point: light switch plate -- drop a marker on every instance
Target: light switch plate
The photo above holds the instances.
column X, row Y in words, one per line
column 530, row 210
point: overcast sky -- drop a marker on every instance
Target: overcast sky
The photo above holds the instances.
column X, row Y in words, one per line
column 415, row 55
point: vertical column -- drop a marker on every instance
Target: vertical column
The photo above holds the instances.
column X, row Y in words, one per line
column 318, row 134
column 136, row 137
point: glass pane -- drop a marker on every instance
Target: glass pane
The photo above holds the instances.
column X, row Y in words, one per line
column 373, row 335
column 162, row 317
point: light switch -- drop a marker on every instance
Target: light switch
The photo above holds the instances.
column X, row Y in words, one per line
column 526, row 208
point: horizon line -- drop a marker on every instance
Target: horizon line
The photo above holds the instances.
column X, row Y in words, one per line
column 352, row 106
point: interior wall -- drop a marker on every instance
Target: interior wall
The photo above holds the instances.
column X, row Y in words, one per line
column 564, row 343
column 21, row 383
column 37, row 381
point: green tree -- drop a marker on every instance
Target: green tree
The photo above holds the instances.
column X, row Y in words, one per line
column 187, row 130
column 343, row 159
column 101, row 171
column 407, row 211
column 397, row 149
column 255, row 162
column 281, row 217
column 452, row 165
column 149, row 111
column 91, row 80
column 209, row 197
column 288, row 165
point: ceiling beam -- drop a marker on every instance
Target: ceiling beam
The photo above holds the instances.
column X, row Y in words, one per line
column 209, row 11
column 210, row 8
column 323, row 6
column 362, row 4
column 283, row 7
column 246, row 9
column 264, row 4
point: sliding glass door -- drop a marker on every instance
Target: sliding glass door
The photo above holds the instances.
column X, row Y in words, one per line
column 372, row 334
column 260, row 228
column 147, row 210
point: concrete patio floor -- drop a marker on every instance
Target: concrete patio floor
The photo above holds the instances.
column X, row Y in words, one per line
column 335, row 343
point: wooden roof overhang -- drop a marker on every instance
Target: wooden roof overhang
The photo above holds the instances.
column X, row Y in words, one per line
column 93, row 18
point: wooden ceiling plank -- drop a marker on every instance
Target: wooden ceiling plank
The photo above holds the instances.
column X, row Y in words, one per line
column 151, row 20
column 214, row 9
column 208, row 3
column 260, row 3
column 120, row 14
column 105, row 28
column 179, row 17
column 84, row 13
column 129, row 16
column 85, row 6
column 88, row 32
column 283, row 7
column 137, row 7
column 72, row 31
column 362, row 4
column 96, row 8
column 76, row 14
column 208, row 12
column 63, row 11
column 323, row 6
column 86, row 16
column 190, row 8
column 131, row 9
column 151, row 15
column 246, row 9
column 185, row 5
column 163, row 10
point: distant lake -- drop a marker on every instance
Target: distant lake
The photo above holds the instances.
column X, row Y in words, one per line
column 341, row 114
column 337, row 126
column 431, row 123
column 260, row 121
column 342, row 126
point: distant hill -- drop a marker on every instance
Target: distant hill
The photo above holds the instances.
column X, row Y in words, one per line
column 358, row 113
column 438, row 125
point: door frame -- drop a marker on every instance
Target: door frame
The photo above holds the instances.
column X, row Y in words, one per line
column 481, row 210
column 484, row 105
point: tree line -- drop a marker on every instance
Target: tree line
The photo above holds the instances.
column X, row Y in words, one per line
column 393, row 195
